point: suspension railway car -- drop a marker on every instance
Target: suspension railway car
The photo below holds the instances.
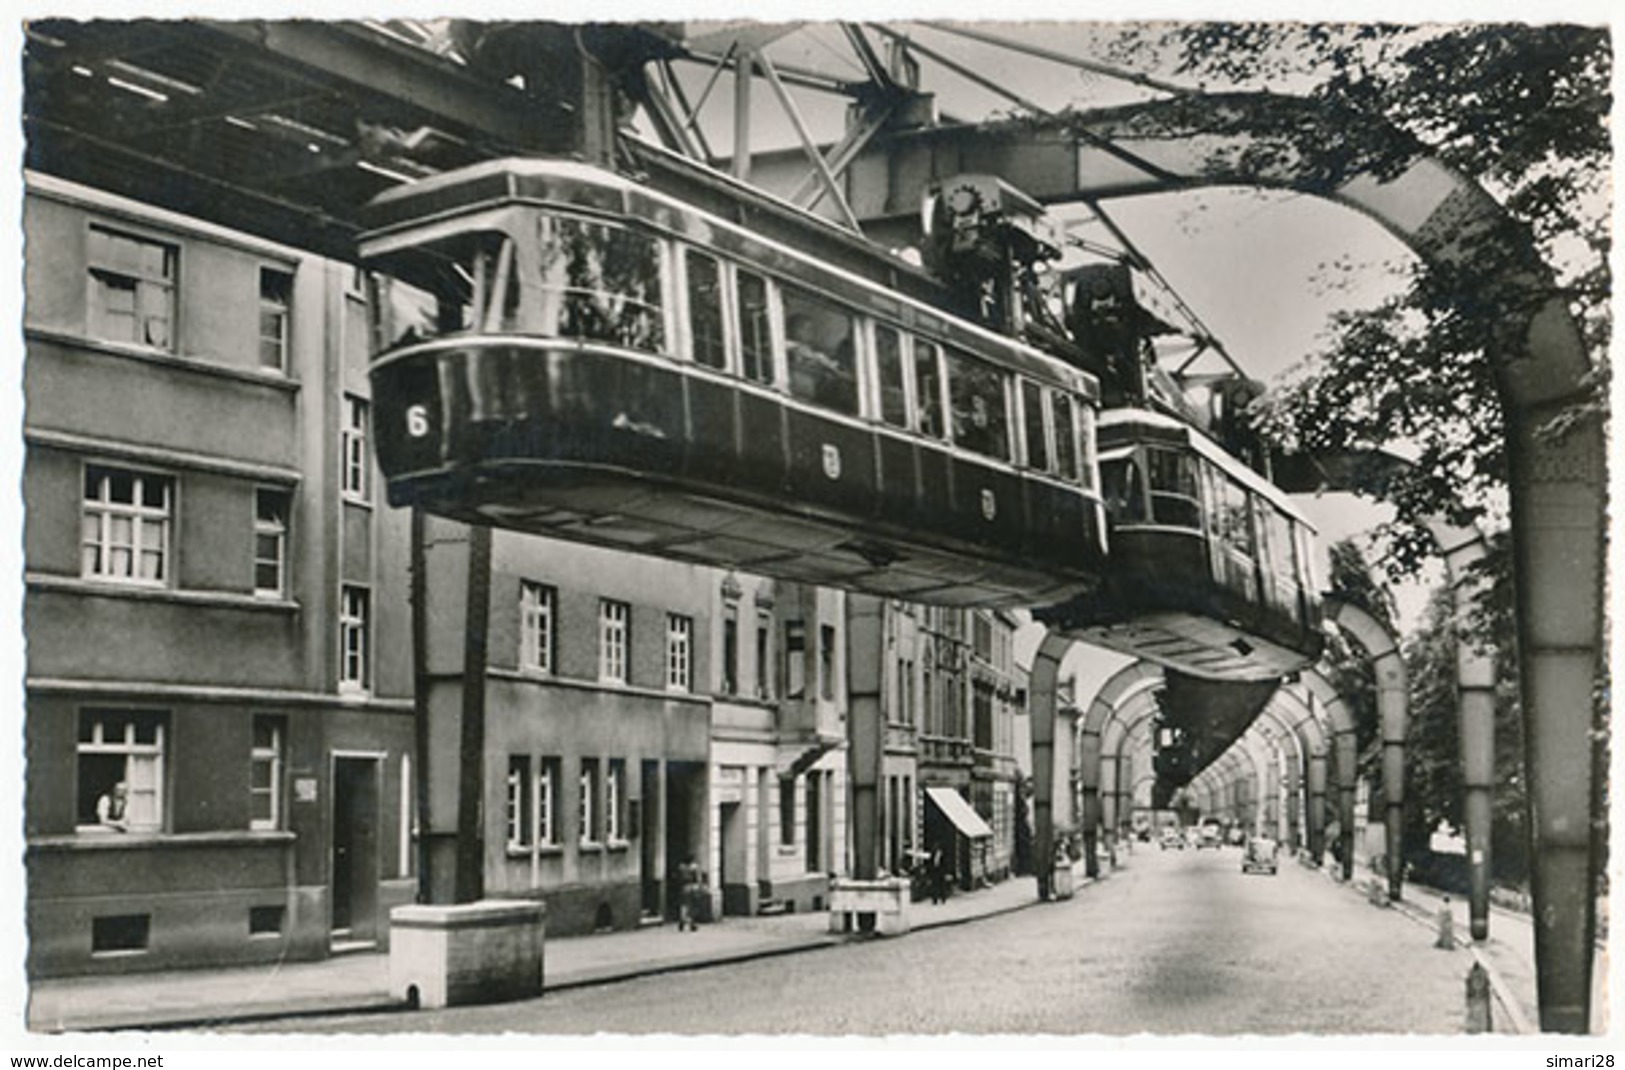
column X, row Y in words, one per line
column 568, row 352
column 1211, row 570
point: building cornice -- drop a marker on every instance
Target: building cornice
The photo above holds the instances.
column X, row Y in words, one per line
column 159, row 455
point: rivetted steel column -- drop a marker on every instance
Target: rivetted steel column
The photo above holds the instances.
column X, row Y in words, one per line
column 1391, row 711
column 1475, row 705
column 1044, row 693
column 1089, row 803
column 865, row 728
column 1317, row 807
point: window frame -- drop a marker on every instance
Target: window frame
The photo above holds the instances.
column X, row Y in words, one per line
column 272, row 528
column 614, row 642
column 538, row 628
column 275, row 755
column 141, row 518
column 151, row 792
column 281, row 313
column 355, row 462
column 520, row 809
column 679, row 652
column 355, row 626
column 587, row 808
column 101, row 270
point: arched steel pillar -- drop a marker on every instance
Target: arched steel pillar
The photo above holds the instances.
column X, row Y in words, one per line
column 1133, row 679
column 1556, row 482
column 1393, row 704
column 1345, row 755
column 1044, row 693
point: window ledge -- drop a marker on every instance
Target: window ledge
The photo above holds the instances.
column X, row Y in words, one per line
column 94, row 838
column 202, row 363
column 41, row 581
column 590, row 847
column 551, row 850
column 618, row 845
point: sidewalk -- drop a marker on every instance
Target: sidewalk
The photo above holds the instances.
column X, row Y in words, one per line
column 1508, row 955
column 359, row 983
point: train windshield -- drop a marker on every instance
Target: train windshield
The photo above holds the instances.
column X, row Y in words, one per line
column 598, row 282
column 467, row 282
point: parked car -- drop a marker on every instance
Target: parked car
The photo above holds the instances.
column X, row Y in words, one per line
column 1171, row 838
column 1262, row 856
column 1211, row 837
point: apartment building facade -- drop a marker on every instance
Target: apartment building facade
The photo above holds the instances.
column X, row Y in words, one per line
column 211, row 612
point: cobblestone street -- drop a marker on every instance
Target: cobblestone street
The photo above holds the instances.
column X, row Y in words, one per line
column 1175, row 943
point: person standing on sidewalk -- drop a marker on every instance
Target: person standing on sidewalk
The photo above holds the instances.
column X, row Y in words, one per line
column 691, row 881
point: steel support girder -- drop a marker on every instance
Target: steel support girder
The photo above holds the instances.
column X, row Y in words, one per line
column 1370, row 471
column 866, row 728
column 1044, row 695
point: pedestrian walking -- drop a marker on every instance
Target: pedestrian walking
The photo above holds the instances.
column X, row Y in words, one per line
column 939, row 877
column 691, row 885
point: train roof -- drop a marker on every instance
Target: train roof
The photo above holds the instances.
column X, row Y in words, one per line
column 1114, row 426
column 766, row 223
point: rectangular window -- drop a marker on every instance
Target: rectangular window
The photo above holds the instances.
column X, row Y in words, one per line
column 353, row 638
column 730, row 651
column 520, row 810
column 126, row 524
column 265, row 921
column 764, row 656
column 705, row 323
column 119, row 932
column 679, row 652
column 889, row 363
column 133, row 281
column 1032, row 413
column 826, row 661
column 547, row 780
column 356, row 485
column 614, row 622
column 270, row 542
column 755, row 334
column 787, row 811
column 589, row 800
column 927, row 389
column 795, row 659
column 265, row 773
column 120, row 758
column 979, row 417
column 536, row 631
column 276, row 299
column 1066, row 437
column 614, row 800
column 819, row 351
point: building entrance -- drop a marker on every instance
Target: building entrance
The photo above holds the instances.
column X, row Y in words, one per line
column 354, row 872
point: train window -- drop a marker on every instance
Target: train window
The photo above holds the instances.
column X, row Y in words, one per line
column 1032, row 416
column 707, row 340
column 889, row 365
column 600, row 283
column 755, row 337
column 1123, row 489
column 820, row 352
column 1086, row 438
column 927, row 388
column 1066, row 435
column 1280, row 571
column 976, row 398
column 1175, row 500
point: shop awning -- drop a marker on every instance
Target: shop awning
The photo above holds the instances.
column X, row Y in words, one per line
column 956, row 809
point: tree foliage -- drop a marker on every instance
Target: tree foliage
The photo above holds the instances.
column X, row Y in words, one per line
column 1522, row 109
